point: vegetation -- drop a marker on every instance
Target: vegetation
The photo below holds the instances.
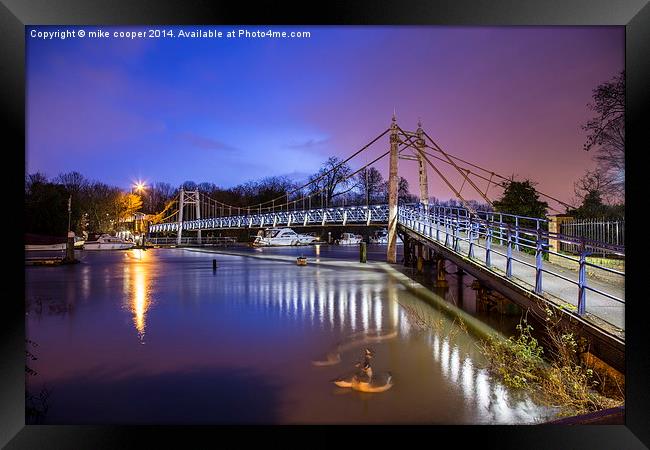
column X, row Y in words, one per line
column 521, row 198
column 559, row 378
column 601, row 192
column 606, row 136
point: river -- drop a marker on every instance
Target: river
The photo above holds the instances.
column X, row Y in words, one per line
column 158, row 337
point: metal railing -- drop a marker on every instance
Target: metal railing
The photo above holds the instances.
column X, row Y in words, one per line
column 193, row 240
column 611, row 232
column 336, row 216
column 452, row 226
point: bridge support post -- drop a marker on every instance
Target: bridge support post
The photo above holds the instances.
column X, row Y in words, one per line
column 181, row 203
column 406, row 246
column 441, row 273
column 420, row 257
column 422, row 167
column 198, row 216
column 582, row 281
column 393, row 181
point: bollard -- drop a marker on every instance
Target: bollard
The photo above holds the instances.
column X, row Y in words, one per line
column 69, row 254
column 214, row 264
column 363, row 252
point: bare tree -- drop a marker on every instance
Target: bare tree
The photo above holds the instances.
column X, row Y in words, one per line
column 370, row 184
column 74, row 182
column 332, row 176
column 606, row 134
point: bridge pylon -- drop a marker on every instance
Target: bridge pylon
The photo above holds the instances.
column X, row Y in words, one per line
column 422, row 166
column 393, row 183
column 188, row 198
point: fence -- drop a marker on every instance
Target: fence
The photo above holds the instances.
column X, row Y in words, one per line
column 608, row 232
column 224, row 241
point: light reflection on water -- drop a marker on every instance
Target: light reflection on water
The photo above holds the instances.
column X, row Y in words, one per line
column 266, row 317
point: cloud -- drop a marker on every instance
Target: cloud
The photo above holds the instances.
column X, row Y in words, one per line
column 205, row 143
column 310, row 143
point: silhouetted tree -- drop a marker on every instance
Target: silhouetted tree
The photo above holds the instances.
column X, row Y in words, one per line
column 371, row 185
column 334, row 177
column 521, row 198
column 606, row 134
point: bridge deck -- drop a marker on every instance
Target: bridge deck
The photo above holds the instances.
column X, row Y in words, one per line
column 556, row 288
column 560, row 291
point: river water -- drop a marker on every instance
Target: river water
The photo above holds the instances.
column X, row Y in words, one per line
column 158, row 337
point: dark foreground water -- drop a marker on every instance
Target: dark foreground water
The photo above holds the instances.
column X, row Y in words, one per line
column 148, row 337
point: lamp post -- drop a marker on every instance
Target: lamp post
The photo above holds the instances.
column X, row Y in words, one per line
column 140, row 188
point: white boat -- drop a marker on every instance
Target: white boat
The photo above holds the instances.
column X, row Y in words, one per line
column 381, row 237
column 349, row 239
column 276, row 237
column 108, row 242
column 307, row 239
column 45, row 247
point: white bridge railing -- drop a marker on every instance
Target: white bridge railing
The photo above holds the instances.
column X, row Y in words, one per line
column 358, row 215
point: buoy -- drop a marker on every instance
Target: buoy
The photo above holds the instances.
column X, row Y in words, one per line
column 301, row 261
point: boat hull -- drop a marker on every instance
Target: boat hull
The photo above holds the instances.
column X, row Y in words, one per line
column 45, row 247
column 107, row 246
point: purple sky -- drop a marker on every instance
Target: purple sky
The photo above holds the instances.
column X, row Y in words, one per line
column 231, row 110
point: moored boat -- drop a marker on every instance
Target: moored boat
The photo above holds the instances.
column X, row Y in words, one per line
column 38, row 242
column 280, row 237
column 107, row 242
column 45, row 247
column 349, row 239
column 381, row 237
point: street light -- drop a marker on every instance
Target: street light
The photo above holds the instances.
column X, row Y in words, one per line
column 140, row 187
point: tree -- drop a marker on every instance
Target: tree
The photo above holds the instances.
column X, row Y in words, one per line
column 74, row 182
column 371, row 184
column 127, row 205
column 606, row 134
column 334, row 175
column 46, row 207
column 159, row 195
column 521, row 198
column 34, row 179
column 589, row 189
column 403, row 193
column 99, row 206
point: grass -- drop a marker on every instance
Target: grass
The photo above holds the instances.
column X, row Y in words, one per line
column 555, row 375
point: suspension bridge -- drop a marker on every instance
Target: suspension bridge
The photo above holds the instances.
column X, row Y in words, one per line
column 517, row 256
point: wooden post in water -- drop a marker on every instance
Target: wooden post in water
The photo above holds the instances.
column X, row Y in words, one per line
column 69, row 249
column 393, row 181
column 363, row 252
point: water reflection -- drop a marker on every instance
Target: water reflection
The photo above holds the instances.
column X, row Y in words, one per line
column 324, row 298
column 137, row 286
column 271, row 319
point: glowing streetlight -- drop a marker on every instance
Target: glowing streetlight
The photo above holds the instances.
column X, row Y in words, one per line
column 140, row 187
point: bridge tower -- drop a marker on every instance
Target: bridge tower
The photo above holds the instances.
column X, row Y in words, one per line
column 424, row 184
column 393, row 182
column 188, row 198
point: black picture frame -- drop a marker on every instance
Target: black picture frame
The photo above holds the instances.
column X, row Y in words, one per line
column 633, row 14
